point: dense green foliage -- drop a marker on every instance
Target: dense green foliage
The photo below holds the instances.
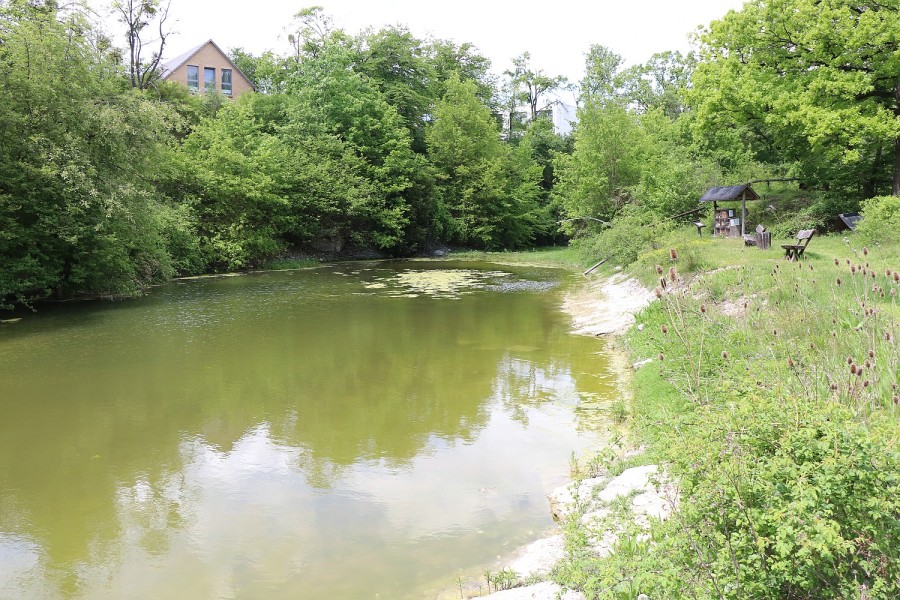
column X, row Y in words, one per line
column 384, row 143
column 76, row 212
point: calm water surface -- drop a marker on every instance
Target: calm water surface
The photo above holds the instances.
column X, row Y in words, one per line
column 365, row 430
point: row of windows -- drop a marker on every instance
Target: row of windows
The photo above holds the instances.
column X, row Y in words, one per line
column 209, row 79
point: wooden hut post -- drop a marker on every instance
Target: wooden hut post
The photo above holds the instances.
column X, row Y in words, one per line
column 743, row 210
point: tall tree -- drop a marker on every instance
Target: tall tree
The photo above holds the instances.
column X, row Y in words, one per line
column 489, row 192
column 145, row 31
column 816, row 82
column 601, row 68
column 531, row 87
column 77, row 155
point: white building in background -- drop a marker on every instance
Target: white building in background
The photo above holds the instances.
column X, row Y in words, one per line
column 562, row 115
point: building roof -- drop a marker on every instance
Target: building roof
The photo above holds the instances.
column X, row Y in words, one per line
column 173, row 64
column 729, row 192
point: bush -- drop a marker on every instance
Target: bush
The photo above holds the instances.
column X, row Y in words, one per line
column 631, row 233
column 880, row 219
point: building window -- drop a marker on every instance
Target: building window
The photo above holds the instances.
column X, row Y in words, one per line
column 193, row 81
column 226, row 82
column 209, row 79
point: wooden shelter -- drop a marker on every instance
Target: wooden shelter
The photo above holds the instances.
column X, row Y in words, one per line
column 726, row 224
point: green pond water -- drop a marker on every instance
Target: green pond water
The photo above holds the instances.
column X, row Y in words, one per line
column 363, row 430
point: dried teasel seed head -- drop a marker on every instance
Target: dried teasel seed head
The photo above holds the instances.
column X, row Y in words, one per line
column 853, row 269
column 868, row 364
column 834, row 387
column 724, row 355
column 848, row 261
column 865, row 252
column 673, row 254
column 703, row 308
column 658, row 293
column 896, row 399
column 812, row 346
column 673, row 274
column 853, row 369
column 887, row 336
column 887, row 273
column 790, row 362
column 662, row 282
column 871, row 354
column 895, row 387
column 665, row 329
column 896, row 276
column 849, row 360
column 867, row 264
column 662, row 357
column 659, row 269
column 866, row 383
column 838, row 281
column 775, row 332
column 836, row 262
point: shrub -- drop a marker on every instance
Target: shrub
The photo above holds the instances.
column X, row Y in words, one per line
column 880, row 219
column 632, row 232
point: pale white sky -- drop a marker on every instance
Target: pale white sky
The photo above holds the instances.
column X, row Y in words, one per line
column 557, row 34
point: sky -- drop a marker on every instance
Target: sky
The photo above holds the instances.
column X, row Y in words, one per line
column 556, row 35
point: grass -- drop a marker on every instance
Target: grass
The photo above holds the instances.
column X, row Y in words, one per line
column 555, row 256
column 287, row 264
column 772, row 401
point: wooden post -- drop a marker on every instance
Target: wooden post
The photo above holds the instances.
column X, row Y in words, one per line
column 743, row 210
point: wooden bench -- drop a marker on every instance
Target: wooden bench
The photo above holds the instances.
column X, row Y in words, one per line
column 794, row 252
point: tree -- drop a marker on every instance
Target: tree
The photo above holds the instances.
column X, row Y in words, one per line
column 488, row 193
column 660, row 83
column 601, row 68
column 812, row 82
column 598, row 178
column 78, row 153
column 309, row 32
column 529, row 86
column 139, row 18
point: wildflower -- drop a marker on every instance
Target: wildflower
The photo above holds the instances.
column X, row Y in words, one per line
column 673, row 274
column 673, row 254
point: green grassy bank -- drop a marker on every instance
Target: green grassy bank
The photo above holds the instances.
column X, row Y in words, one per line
column 772, row 402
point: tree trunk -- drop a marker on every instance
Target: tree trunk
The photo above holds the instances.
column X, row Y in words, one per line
column 896, row 190
column 896, row 187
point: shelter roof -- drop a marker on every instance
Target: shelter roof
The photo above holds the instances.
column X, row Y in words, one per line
column 729, row 192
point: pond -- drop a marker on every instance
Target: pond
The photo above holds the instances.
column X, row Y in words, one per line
column 360, row 430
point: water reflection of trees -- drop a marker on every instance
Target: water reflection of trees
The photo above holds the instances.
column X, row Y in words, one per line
column 92, row 454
